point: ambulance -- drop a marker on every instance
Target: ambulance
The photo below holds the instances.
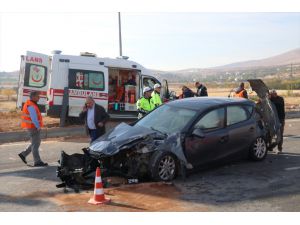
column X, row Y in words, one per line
column 64, row 82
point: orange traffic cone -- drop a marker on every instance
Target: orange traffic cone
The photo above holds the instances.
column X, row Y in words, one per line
column 98, row 197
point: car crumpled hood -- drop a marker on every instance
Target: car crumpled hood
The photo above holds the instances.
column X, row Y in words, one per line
column 121, row 137
column 124, row 136
column 268, row 111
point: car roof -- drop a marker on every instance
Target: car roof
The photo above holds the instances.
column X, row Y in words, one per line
column 203, row 103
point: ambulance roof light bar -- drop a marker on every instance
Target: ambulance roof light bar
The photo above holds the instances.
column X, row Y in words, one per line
column 56, row 52
column 88, row 54
column 123, row 57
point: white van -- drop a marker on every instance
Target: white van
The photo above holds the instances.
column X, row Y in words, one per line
column 66, row 80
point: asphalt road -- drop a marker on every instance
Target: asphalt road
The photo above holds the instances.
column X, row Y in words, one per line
column 271, row 185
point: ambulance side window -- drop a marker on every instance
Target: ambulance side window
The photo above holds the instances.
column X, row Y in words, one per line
column 35, row 75
column 149, row 82
column 86, row 80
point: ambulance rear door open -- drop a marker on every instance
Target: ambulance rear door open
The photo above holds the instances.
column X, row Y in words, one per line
column 87, row 80
column 124, row 85
column 33, row 76
column 164, row 92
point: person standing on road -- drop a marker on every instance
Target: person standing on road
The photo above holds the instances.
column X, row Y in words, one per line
column 31, row 119
column 278, row 101
column 94, row 117
column 156, row 95
column 241, row 91
column 201, row 90
column 145, row 104
column 186, row 92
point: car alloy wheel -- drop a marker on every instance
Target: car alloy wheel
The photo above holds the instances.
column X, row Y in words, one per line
column 259, row 148
column 167, row 168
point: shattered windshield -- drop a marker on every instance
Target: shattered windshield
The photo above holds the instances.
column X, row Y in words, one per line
column 167, row 119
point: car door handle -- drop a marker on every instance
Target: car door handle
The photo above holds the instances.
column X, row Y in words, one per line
column 251, row 129
column 224, row 139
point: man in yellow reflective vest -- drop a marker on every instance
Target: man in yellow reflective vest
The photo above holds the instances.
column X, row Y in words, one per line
column 145, row 104
column 32, row 121
column 156, row 95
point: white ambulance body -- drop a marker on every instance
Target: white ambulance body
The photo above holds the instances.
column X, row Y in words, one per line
column 116, row 84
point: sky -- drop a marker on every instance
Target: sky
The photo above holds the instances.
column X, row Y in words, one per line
column 157, row 40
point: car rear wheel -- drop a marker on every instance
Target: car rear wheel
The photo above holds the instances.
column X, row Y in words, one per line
column 258, row 150
column 163, row 166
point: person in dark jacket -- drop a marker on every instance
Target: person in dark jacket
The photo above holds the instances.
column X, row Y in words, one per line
column 201, row 90
column 94, row 117
column 278, row 101
column 186, row 92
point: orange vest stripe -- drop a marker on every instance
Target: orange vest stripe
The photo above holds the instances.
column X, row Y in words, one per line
column 26, row 121
column 240, row 94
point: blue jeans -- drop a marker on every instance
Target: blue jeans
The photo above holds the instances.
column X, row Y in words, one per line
column 93, row 135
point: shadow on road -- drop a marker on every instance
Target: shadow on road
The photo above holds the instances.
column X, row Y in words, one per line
column 8, row 199
column 240, row 181
column 245, row 180
column 43, row 173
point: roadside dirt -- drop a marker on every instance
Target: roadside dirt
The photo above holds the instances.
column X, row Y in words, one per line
column 10, row 121
column 144, row 197
column 129, row 198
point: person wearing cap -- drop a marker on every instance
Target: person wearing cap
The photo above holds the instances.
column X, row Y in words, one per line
column 155, row 95
column 241, row 91
column 278, row 101
column 32, row 121
column 145, row 104
column 201, row 90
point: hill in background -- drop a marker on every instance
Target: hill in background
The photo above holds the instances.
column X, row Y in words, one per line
column 283, row 66
column 9, row 79
column 280, row 66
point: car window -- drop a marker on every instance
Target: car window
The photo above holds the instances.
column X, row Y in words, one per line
column 212, row 120
column 250, row 109
column 236, row 114
column 149, row 82
column 86, row 79
column 167, row 119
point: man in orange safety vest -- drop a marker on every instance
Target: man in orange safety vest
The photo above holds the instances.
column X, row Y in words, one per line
column 241, row 91
column 31, row 119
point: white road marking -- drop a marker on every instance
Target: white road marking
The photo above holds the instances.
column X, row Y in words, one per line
column 292, row 120
column 293, row 168
column 292, row 136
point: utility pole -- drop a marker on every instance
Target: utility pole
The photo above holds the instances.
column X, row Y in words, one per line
column 120, row 36
column 291, row 70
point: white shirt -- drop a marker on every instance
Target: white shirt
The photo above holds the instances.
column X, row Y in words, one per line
column 91, row 117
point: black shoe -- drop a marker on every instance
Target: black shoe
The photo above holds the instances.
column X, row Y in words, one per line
column 23, row 158
column 40, row 164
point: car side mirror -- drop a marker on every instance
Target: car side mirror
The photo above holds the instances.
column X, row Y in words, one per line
column 198, row 133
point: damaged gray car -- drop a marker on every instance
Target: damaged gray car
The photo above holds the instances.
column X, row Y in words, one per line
column 177, row 137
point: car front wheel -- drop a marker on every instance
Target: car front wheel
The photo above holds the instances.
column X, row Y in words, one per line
column 163, row 166
column 258, row 150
